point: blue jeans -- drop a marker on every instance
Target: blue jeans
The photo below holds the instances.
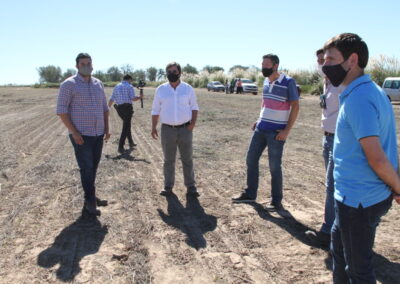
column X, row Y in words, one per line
column 260, row 140
column 88, row 157
column 353, row 236
column 329, row 216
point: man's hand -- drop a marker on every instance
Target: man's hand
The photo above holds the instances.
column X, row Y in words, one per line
column 190, row 126
column 396, row 197
column 253, row 127
column 107, row 136
column 77, row 138
column 282, row 135
column 154, row 133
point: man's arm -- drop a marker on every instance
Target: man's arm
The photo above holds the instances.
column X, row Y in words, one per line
column 66, row 119
column 194, row 119
column 154, row 121
column 380, row 164
column 106, row 126
column 294, row 111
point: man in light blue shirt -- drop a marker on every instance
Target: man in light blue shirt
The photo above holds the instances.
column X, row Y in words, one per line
column 365, row 158
column 123, row 95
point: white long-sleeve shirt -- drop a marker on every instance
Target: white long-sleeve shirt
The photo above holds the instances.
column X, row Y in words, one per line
column 174, row 106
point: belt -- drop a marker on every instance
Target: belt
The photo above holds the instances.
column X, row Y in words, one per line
column 178, row 126
column 329, row 134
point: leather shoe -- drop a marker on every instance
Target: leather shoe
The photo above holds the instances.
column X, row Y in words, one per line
column 90, row 207
column 101, row 202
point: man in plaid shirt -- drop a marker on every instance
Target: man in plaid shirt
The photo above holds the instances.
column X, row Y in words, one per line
column 123, row 95
column 83, row 109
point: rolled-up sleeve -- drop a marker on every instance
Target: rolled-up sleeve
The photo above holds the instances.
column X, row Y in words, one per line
column 193, row 100
column 64, row 97
column 156, row 107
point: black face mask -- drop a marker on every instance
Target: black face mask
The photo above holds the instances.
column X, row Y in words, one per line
column 172, row 77
column 335, row 73
column 267, row 72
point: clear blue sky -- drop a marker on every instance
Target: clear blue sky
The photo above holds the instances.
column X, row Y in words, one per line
column 154, row 32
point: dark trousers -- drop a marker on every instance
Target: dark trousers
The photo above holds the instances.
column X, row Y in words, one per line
column 239, row 90
column 88, row 157
column 353, row 236
column 125, row 112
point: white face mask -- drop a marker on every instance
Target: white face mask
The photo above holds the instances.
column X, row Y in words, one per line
column 319, row 70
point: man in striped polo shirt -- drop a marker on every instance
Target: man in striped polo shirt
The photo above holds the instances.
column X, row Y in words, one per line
column 279, row 110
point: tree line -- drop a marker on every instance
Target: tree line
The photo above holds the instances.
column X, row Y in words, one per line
column 54, row 74
column 379, row 67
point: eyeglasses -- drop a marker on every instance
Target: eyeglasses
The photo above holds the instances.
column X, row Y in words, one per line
column 173, row 72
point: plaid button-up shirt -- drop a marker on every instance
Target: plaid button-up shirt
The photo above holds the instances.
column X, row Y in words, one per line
column 85, row 102
column 123, row 93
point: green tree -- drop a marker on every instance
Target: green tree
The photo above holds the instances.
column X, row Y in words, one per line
column 190, row 69
column 212, row 69
column 238, row 67
column 151, row 74
column 67, row 74
column 160, row 74
column 49, row 74
column 114, row 74
column 139, row 75
column 127, row 69
column 102, row 76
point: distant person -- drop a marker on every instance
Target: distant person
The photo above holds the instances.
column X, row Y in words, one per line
column 330, row 108
column 239, row 87
column 123, row 95
column 365, row 157
column 227, row 86
column 82, row 107
column 280, row 107
column 175, row 105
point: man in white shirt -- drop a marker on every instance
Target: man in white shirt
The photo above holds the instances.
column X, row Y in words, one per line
column 175, row 105
column 330, row 109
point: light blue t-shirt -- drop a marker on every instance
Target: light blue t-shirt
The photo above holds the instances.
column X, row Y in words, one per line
column 364, row 111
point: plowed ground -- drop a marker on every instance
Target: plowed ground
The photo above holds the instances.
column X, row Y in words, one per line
column 142, row 237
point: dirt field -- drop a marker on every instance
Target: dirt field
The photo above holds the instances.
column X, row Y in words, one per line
column 142, row 237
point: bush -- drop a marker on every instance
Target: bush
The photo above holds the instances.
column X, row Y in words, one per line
column 382, row 67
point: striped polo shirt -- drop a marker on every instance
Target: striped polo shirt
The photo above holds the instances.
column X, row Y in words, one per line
column 275, row 108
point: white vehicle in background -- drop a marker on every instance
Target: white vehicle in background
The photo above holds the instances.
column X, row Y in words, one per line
column 391, row 86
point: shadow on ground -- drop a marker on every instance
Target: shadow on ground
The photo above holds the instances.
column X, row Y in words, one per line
column 191, row 220
column 81, row 238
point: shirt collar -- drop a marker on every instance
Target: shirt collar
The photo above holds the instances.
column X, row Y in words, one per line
column 360, row 80
column 79, row 76
column 279, row 80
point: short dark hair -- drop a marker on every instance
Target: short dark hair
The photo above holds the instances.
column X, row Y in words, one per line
column 169, row 65
column 319, row 51
column 274, row 58
column 347, row 44
column 127, row 77
column 81, row 56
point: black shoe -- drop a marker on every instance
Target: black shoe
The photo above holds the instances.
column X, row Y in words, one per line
column 166, row 191
column 101, row 202
column 192, row 191
column 243, row 198
column 274, row 207
column 319, row 238
column 90, row 207
column 121, row 150
column 131, row 145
